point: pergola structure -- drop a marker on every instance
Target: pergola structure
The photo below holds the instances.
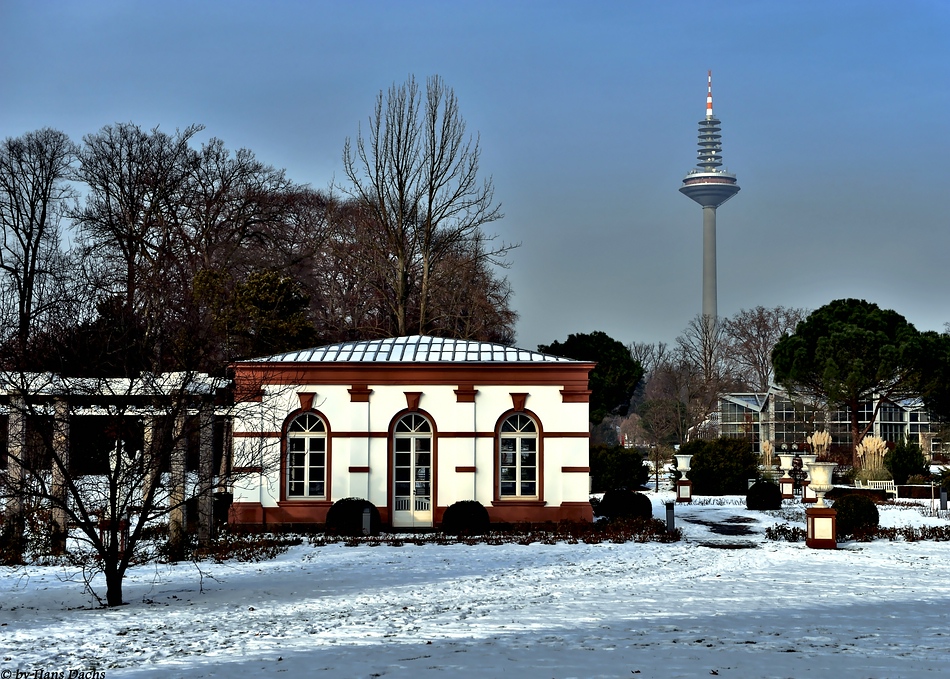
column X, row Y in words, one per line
column 153, row 431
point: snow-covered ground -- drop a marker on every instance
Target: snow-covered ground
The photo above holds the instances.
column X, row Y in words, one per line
column 688, row 609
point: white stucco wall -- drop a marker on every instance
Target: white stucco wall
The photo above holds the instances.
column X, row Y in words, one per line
column 346, row 419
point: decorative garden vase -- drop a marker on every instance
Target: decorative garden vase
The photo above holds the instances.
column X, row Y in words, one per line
column 682, row 463
column 820, row 473
column 684, row 487
column 786, row 463
column 807, row 460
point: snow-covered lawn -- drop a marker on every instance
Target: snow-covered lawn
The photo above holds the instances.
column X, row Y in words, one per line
column 686, row 609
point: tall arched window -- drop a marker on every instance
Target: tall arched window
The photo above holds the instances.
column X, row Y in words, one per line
column 307, row 457
column 518, row 457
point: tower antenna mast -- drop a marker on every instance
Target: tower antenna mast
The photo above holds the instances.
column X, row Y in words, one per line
column 710, row 186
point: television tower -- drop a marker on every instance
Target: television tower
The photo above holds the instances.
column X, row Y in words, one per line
column 710, row 187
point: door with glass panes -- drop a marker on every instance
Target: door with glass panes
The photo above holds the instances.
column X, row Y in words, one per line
column 412, row 473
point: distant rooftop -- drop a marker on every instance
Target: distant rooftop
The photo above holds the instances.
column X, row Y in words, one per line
column 414, row 349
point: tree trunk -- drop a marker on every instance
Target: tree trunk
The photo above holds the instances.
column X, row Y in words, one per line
column 114, row 579
column 855, row 432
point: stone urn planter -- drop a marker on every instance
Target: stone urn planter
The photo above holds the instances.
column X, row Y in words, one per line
column 820, row 475
column 786, row 483
column 808, row 493
column 821, row 520
column 684, row 487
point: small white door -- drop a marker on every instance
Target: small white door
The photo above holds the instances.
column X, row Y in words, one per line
column 412, row 473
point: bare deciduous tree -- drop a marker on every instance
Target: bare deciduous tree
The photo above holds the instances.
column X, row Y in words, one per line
column 416, row 174
column 34, row 196
column 135, row 184
column 751, row 335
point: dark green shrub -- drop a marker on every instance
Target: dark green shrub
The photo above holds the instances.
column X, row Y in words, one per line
column 905, row 460
column 763, row 495
column 613, row 467
column 786, row 533
column 625, row 504
column 346, row 517
column 856, row 513
column 722, row 466
column 466, row 517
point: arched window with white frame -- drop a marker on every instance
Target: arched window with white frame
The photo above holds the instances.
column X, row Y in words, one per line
column 518, row 457
column 307, row 457
column 412, row 472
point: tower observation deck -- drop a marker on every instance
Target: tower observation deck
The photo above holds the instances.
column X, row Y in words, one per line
column 710, row 186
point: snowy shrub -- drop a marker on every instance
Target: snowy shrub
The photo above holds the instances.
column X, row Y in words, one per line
column 785, row 533
column 625, row 504
column 345, row 517
column 466, row 517
column 856, row 514
column 246, row 547
column 763, row 495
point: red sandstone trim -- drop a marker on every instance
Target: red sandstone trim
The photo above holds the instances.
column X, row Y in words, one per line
column 465, row 393
column 575, row 395
column 249, row 377
column 359, row 393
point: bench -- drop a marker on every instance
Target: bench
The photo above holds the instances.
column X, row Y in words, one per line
column 887, row 486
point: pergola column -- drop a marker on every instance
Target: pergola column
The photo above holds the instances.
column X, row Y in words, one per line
column 60, row 472
column 176, row 494
column 205, row 472
column 150, row 463
column 16, row 448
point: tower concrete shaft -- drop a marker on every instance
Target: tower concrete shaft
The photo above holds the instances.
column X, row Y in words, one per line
column 710, row 186
column 710, row 306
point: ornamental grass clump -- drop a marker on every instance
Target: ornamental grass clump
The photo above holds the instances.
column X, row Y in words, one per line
column 820, row 442
column 857, row 515
column 871, row 452
column 763, row 495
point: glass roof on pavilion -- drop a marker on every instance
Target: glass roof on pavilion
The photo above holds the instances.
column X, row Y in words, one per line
column 414, row 349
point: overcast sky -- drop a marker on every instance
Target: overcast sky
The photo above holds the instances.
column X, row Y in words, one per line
column 834, row 117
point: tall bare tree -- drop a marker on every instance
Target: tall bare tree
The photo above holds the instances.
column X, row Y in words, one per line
column 135, row 181
column 34, row 196
column 703, row 346
column 416, row 173
column 751, row 335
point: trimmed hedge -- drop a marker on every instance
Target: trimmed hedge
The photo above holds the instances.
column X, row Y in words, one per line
column 763, row 495
column 466, row 517
column 625, row 504
column 345, row 517
column 856, row 514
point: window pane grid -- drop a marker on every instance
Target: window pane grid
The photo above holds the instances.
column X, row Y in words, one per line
column 518, row 458
column 306, row 457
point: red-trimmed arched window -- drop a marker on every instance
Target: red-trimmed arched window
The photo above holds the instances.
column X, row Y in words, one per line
column 518, row 457
column 307, row 457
